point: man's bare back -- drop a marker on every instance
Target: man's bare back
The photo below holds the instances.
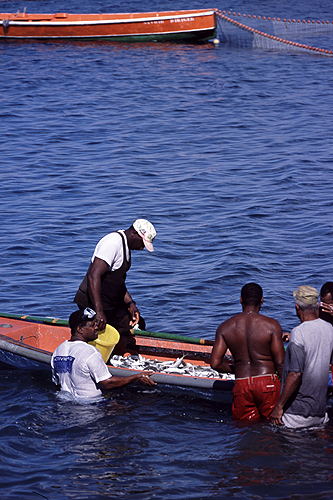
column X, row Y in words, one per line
column 255, row 342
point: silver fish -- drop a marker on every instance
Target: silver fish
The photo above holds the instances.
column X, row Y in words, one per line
column 178, row 367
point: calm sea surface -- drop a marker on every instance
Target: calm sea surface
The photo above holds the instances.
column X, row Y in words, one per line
column 228, row 151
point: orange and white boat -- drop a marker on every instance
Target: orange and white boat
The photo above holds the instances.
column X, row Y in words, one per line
column 27, row 343
column 176, row 26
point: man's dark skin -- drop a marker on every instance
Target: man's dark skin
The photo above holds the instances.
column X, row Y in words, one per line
column 96, row 271
column 88, row 332
column 255, row 342
column 326, row 302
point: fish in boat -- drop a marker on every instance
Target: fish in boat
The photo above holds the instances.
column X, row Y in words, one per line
column 179, row 362
column 197, row 26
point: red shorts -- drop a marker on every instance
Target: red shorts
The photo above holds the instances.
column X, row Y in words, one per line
column 255, row 397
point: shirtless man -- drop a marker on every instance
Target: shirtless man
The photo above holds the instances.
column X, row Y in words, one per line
column 255, row 342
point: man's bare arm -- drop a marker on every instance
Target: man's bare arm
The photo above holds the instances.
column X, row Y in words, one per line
column 133, row 310
column 218, row 352
column 277, row 349
column 118, row 382
column 94, row 275
column 293, row 381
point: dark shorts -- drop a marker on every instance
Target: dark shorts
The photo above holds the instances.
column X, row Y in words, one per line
column 255, row 397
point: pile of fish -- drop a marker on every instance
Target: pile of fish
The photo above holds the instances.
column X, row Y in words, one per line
column 178, row 367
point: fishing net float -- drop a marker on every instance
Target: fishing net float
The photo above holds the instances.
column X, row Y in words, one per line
column 265, row 32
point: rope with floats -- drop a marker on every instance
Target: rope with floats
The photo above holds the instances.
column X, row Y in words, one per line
column 274, row 41
column 269, row 18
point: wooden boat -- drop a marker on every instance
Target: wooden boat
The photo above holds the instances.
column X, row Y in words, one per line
column 184, row 25
column 27, row 343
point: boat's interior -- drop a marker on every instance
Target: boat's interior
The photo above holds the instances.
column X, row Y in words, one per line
column 48, row 336
column 45, row 337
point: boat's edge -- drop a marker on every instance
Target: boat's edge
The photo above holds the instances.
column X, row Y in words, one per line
column 24, row 358
column 180, row 380
column 198, row 34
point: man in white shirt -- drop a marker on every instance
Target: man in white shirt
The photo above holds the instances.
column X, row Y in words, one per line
column 104, row 288
column 78, row 367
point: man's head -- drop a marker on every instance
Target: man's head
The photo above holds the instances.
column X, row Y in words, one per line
column 140, row 235
column 80, row 319
column 326, row 292
column 251, row 295
column 306, row 296
column 306, row 300
column 326, row 299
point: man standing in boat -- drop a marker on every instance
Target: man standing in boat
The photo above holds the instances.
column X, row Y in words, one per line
column 303, row 399
column 255, row 342
column 104, row 288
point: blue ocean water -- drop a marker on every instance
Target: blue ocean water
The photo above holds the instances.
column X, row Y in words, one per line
column 228, row 151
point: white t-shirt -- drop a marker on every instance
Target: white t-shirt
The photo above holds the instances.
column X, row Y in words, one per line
column 110, row 249
column 78, row 367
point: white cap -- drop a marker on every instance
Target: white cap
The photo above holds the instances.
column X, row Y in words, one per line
column 147, row 232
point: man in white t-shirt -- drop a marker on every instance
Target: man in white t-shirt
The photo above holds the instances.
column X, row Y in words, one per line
column 104, row 288
column 78, row 367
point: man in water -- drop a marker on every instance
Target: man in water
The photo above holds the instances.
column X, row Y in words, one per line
column 255, row 342
column 326, row 306
column 309, row 353
column 104, row 288
column 326, row 302
column 78, row 367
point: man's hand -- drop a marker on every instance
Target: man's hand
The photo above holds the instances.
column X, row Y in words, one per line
column 134, row 313
column 276, row 416
column 144, row 378
column 100, row 320
column 115, row 382
column 292, row 383
column 328, row 308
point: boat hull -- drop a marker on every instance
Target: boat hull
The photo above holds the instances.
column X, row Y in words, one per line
column 192, row 26
column 28, row 345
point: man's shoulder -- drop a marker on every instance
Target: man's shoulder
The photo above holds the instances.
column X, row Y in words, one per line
column 229, row 323
column 313, row 325
column 114, row 237
column 269, row 319
column 232, row 327
column 325, row 324
column 61, row 348
column 77, row 346
column 109, row 246
column 308, row 331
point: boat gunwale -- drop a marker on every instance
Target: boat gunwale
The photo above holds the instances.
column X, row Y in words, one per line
column 172, row 378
